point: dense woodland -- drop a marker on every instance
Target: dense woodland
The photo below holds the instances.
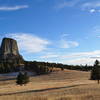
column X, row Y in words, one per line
column 8, row 67
column 50, row 66
column 40, row 67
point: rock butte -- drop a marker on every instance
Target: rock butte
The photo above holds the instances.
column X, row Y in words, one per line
column 9, row 51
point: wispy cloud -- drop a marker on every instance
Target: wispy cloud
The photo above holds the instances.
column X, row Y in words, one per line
column 80, row 61
column 94, row 4
column 64, row 4
column 92, row 7
column 49, row 55
column 13, row 8
column 74, row 58
column 65, row 35
column 83, row 54
column 64, row 43
column 96, row 29
column 30, row 43
column 68, row 44
column 91, row 54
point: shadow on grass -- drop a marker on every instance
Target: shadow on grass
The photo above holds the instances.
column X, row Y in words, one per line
column 7, row 79
column 40, row 90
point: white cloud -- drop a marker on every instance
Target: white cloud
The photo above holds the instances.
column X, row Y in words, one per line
column 80, row 61
column 74, row 58
column 91, row 6
column 68, row 44
column 83, row 54
column 82, row 58
column 29, row 43
column 92, row 10
column 13, row 8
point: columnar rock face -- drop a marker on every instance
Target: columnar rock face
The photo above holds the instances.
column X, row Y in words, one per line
column 9, row 51
column 9, row 46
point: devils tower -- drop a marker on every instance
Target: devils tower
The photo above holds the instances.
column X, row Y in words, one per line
column 9, row 51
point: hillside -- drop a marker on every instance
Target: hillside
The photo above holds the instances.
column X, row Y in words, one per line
column 74, row 85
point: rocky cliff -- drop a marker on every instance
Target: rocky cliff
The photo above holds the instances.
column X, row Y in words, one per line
column 9, row 51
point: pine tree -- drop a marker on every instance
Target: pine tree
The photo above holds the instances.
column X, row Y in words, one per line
column 95, row 73
column 26, row 78
column 22, row 78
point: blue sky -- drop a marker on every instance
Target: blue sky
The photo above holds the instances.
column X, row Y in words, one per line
column 66, row 31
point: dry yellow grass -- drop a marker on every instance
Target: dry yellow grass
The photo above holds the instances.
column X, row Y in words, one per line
column 60, row 85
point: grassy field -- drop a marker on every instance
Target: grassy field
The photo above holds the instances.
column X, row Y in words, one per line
column 60, row 85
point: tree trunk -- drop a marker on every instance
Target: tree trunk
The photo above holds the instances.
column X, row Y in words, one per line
column 98, row 81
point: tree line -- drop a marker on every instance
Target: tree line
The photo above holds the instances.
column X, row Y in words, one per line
column 50, row 66
column 40, row 67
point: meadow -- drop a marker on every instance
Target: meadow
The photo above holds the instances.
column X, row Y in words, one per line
column 59, row 85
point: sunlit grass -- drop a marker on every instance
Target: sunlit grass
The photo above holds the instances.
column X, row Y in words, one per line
column 60, row 85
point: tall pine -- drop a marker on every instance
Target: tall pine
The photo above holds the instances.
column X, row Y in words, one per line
column 95, row 73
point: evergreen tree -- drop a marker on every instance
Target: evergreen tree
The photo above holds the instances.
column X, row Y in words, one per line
column 22, row 78
column 26, row 78
column 95, row 73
